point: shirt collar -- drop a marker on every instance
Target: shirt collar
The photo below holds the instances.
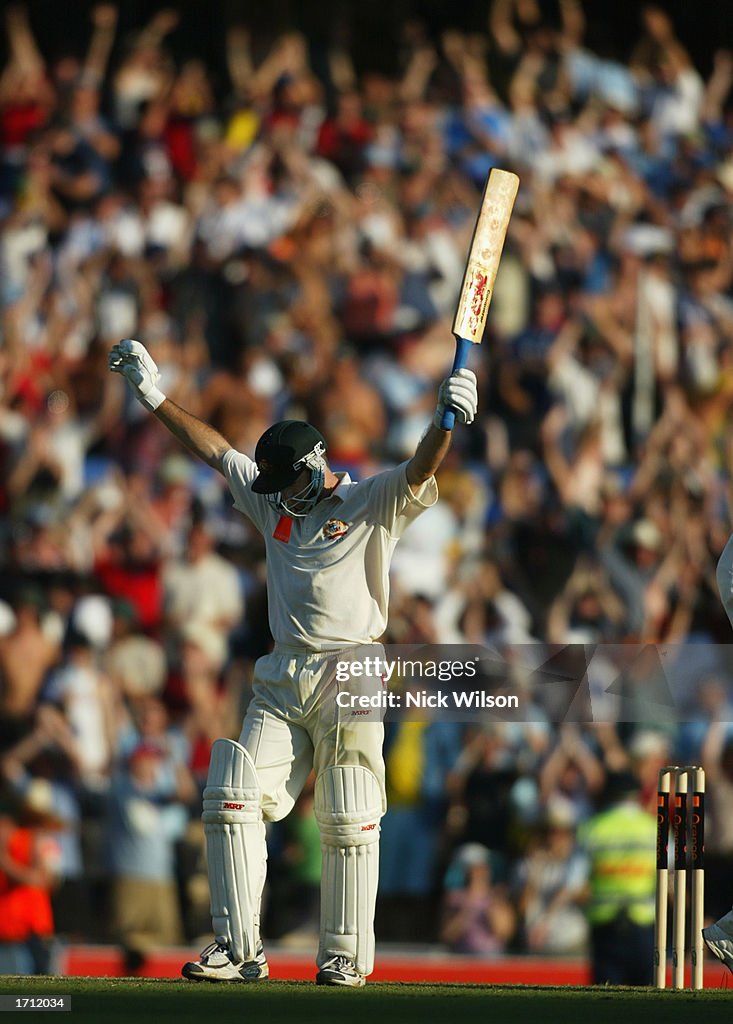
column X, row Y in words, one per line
column 344, row 482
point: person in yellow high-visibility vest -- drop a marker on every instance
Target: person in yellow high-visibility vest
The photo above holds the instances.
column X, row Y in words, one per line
column 620, row 843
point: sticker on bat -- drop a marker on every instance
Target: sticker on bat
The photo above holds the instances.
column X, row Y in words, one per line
column 471, row 318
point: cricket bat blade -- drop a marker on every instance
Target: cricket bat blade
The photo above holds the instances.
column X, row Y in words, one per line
column 482, row 265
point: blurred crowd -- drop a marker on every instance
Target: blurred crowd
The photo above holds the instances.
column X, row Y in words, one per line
column 289, row 243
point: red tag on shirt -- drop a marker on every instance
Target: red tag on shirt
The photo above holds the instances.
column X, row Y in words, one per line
column 283, row 529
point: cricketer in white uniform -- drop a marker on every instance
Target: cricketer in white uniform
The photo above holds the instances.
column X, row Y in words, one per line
column 329, row 542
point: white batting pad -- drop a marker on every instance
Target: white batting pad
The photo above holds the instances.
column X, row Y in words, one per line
column 348, row 806
column 235, row 847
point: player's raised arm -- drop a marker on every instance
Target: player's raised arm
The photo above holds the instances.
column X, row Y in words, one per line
column 132, row 360
column 457, row 392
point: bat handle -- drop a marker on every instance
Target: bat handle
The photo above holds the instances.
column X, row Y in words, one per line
column 463, row 347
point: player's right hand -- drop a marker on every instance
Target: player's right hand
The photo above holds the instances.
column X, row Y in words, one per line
column 459, row 393
column 131, row 359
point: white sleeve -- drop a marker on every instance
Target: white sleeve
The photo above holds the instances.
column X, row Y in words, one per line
column 240, row 471
column 393, row 503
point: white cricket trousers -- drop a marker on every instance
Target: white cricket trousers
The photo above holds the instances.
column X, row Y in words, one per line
column 292, row 726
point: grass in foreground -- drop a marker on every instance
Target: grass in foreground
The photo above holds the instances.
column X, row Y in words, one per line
column 123, row 1000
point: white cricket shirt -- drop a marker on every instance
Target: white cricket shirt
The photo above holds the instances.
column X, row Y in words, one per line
column 328, row 585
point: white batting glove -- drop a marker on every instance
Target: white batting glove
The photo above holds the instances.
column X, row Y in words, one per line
column 133, row 361
column 458, row 392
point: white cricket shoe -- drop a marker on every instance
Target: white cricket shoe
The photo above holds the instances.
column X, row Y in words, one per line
column 719, row 939
column 339, row 970
column 216, row 964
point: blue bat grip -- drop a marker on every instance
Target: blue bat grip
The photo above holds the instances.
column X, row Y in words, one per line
column 463, row 348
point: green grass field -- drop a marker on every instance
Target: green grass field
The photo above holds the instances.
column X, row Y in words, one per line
column 112, row 1001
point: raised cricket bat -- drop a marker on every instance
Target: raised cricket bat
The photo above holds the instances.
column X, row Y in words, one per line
column 487, row 243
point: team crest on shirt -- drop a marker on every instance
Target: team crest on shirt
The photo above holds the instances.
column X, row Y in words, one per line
column 334, row 529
